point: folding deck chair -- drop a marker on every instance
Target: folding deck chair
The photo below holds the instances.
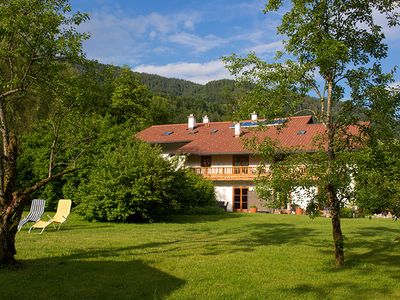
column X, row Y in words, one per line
column 36, row 211
column 63, row 210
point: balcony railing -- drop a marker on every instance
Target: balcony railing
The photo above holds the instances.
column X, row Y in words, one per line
column 231, row 173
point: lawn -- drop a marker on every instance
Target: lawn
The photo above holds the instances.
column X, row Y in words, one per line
column 232, row 256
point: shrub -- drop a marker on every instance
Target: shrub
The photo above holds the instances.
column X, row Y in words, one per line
column 194, row 191
column 132, row 182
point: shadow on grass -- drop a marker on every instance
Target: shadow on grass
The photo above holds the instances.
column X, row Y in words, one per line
column 235, row 239
column 92, row 274
column 336, row 291
column 193, row 219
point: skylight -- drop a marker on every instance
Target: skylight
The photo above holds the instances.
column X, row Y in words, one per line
column 301, row 132
column 168, row 132
column 193, row 132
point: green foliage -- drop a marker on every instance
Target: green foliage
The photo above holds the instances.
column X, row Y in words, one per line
column 378, row 173
column 130, row 99
column 132, row 182
column 194, row 190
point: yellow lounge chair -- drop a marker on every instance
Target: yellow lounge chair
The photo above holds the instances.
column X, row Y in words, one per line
column 63, row 210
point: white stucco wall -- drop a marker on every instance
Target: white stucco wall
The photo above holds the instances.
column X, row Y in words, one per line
column 224, row 193
column 224, row 190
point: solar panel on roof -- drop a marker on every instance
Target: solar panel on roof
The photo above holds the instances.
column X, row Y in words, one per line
column 249, row 124
column 260, row 123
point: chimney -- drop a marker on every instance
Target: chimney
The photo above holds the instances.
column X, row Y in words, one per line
column 206, row 120
column 191, row 122
column 254, row 116
column 237, row 129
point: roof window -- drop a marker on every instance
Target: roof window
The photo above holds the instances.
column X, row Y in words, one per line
column 168, row 132
column 213, row 131
column 193, row 131
column 301, row 132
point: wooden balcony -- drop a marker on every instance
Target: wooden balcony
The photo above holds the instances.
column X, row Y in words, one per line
column 230, row 173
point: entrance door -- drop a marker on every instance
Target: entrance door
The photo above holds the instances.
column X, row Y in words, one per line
column 240, row 198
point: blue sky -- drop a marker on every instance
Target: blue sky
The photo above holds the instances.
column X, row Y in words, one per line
column 186, row 38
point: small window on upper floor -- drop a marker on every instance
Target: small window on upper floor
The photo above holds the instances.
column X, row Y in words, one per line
column 206, row 161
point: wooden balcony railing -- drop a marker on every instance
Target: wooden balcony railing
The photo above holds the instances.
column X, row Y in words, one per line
column 230, row 173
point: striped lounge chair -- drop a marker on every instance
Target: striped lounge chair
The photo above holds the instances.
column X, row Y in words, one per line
column 36, row 211
column 63, row 210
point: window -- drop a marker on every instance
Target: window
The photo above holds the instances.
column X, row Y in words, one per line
column 240, row 164
column 206, row 161
column 240, row 160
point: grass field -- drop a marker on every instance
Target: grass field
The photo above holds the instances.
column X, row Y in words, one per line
column 232, row 256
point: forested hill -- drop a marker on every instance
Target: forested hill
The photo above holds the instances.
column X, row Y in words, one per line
column 215, row 91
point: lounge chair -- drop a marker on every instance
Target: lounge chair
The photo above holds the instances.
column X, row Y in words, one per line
column 36, row 211
column 63, row 210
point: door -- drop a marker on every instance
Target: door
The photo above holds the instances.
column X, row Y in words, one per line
column 240, row 198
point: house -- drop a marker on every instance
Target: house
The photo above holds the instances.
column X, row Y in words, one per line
column 215, row 150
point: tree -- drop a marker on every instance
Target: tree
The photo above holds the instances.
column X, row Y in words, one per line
column 335, row 49
column 36, row 37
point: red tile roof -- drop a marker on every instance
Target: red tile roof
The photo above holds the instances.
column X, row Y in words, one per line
column 219, row 138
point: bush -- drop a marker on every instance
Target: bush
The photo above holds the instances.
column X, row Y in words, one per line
column 346, row 212
column 134, row 183
column 131, row 182
column 194, row 191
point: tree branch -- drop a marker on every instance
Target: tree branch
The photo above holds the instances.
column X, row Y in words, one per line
column 11, row 92
column 42, row 183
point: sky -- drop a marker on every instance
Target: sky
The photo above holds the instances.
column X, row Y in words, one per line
column 186, row 38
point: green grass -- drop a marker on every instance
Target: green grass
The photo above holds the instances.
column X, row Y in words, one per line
column 231, row 256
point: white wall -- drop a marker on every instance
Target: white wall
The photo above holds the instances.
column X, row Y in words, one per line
column 224, row 190
column 224, row 193
column 302, row 196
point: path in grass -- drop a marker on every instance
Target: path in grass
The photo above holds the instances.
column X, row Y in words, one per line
column 233, row 256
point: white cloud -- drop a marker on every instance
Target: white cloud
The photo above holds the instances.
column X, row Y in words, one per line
column 118, row 39
column 189, row 24
column 266, row 48
column 395, row 84
column 199, row 44
column 196, row 72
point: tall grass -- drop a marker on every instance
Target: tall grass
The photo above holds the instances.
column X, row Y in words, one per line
column 230, row 256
